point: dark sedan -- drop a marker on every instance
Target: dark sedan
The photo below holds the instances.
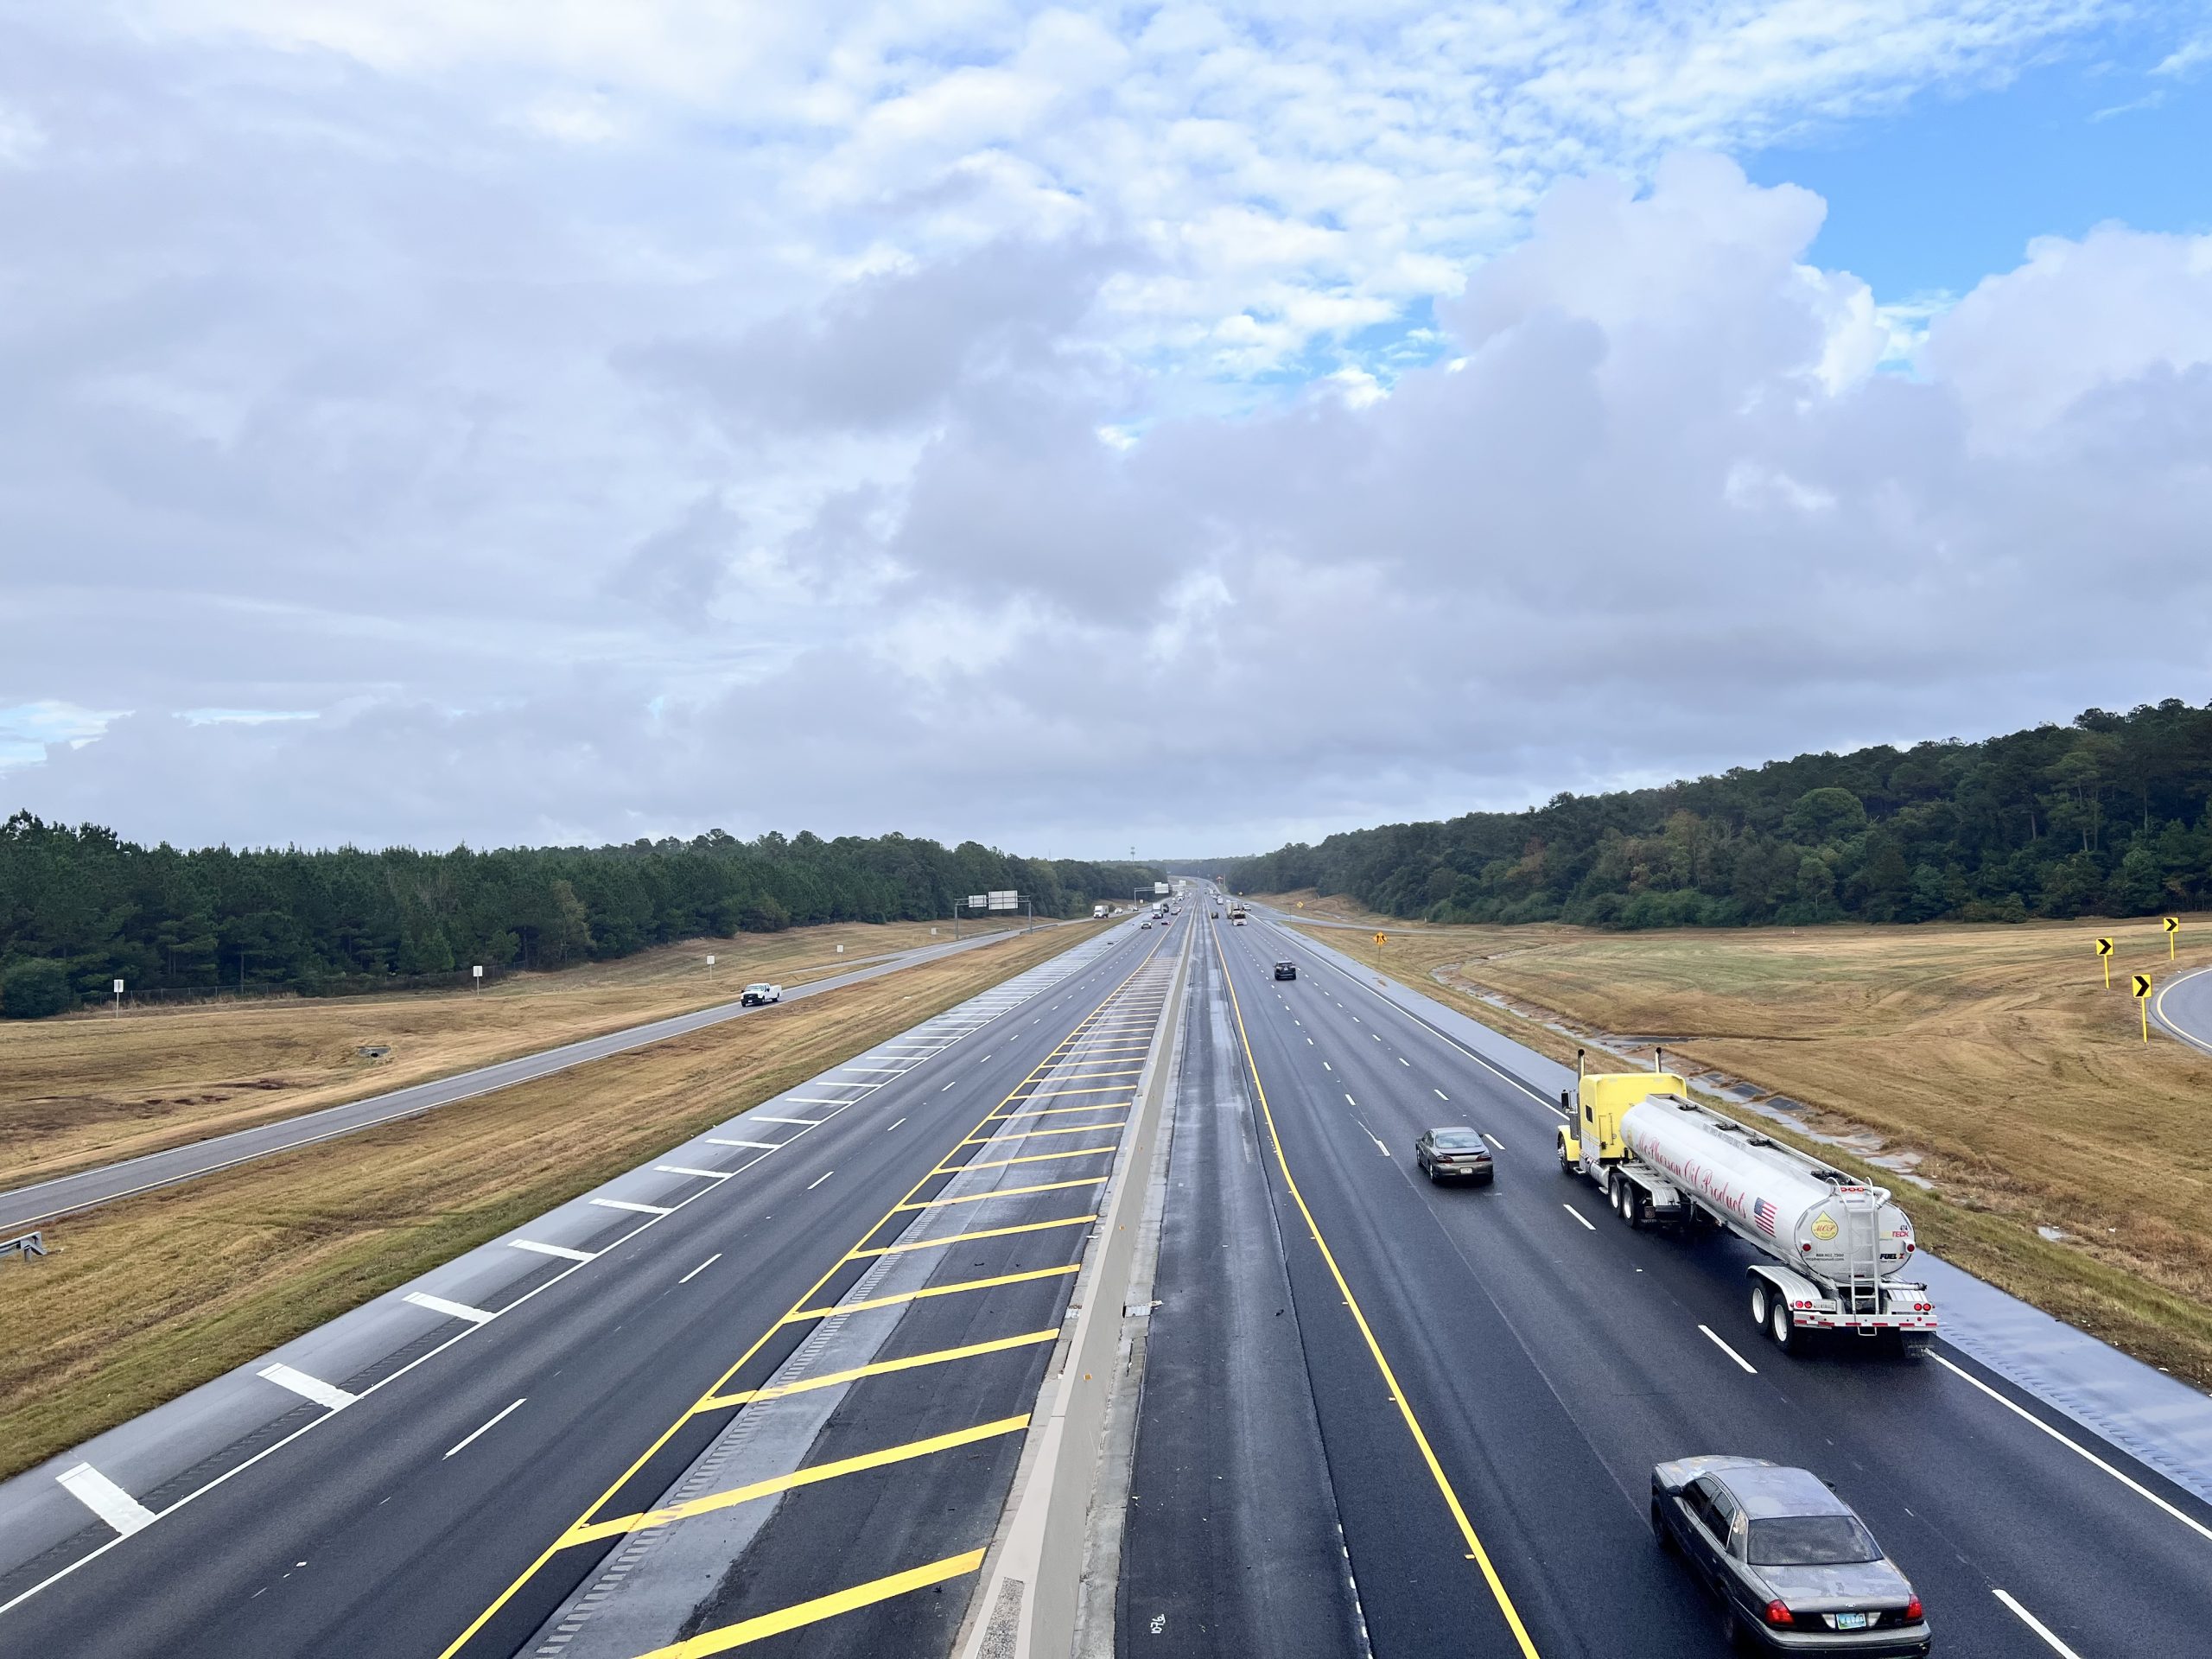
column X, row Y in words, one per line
column 1795, row 1571
column 1454, row 1154
column 1286, row 970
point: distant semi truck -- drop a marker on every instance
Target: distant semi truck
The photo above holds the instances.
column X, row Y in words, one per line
column 1097, row 912
column 1833, row 1246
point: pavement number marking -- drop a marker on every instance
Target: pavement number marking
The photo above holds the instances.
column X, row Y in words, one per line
column 700, row 1268
column 2035, row 1624
column 2133, row 1485
column 1578, row 1215
column 462, row 1445
column 1715, row 1337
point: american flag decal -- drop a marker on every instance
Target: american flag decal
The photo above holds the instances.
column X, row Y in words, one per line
column 1763, row 1213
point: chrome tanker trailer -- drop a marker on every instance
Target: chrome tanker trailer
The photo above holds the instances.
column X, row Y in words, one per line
column 1833, row 1245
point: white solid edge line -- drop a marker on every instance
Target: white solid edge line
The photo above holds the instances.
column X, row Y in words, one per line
column 494, row 1420
column 686, row 1169
column 2034, row 1624
column 310, row 1387
column 561, row 1251
column 1726, row 1349
column 1579, row 1216
column 700, row 1268
column 639, row 1209
column 106, row 1499
column 2159, row 1011
column 474, row 1316
column 2125, row 1479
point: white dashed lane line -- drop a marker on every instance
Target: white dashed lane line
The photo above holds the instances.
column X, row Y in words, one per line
column 700, row 1268
column 495, row 1418
column 818, row 1179
column 1715, row 1337
column 1578, row 1215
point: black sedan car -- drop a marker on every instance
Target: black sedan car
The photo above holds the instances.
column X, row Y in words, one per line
column 1286, row 970
column 1795, row 1571
column 1454, row 1153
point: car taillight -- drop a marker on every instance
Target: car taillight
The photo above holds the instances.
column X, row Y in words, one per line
column 1912, row 1611
column 1777, row 1614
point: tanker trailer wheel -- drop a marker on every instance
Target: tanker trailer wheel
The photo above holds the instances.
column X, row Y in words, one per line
column 1759, row 1303
column 1781, row 1327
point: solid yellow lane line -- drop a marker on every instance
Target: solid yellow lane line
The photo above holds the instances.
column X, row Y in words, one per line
column 962, row 1238
column 797, row 1477
column 928, row 1291
column 1061, row 1111
column 492, row 1608
column 1476, row 1553
column 876, row 1368
column 1030, row 1134
column 1032, row 1158
column 1005, row 1192
column 804, row 1613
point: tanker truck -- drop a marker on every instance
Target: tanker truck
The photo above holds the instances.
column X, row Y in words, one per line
column 1832, row 1245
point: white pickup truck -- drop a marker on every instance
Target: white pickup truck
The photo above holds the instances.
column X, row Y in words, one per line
column 760, row 991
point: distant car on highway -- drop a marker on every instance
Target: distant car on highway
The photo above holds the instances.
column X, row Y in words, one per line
column 1286, row 970
column 1147, row 923
column 760, row 991
column 1452, row 1153
column 1795, row 1570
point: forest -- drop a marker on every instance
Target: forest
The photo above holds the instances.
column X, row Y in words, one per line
column 81, row 907
column 2105, row 816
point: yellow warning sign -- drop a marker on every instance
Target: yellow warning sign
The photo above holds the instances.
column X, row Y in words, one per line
column 2104, row 954
column 1381, row 938
column 2104, row 947
column 2142, row 984
column 2142, row 995
column 2173, row 926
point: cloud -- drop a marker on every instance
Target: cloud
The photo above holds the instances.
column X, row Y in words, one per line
column 1055, row 427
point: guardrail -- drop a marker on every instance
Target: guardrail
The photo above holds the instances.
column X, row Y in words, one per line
column 26, row 1245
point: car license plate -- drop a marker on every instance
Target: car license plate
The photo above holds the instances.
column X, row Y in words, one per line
column 1851, row 1621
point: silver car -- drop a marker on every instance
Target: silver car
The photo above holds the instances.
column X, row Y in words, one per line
column 1796, row 1572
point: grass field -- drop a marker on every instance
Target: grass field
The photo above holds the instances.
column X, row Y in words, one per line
column 1989, row 1059
column 91, row 1087
column 147, row 1299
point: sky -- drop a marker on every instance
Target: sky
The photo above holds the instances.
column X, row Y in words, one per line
column 1181, row 427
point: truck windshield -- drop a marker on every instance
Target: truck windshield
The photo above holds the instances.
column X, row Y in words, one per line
column 1809, row 1540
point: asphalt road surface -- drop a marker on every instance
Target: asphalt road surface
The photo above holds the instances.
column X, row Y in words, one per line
column 893, row 1268
column 27, row 1206
column 2183, row 1007
column 1489, row 1374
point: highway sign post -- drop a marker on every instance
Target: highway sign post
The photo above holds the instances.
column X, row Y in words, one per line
column 2143, row 995
column 118, row 999
column 2104, row 954
column 2173, row 925
column 477, row 974
column 1381, row 939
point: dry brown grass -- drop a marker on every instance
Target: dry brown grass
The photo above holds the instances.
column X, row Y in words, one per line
column 144, row 1299
column 1991, row 1054
column 92, row 1088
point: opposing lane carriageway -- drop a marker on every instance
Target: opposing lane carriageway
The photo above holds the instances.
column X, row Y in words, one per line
column 507, row 1390
column 1492, row 1373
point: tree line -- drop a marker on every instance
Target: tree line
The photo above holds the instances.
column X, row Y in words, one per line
column 2105, row 816
column 80, row 906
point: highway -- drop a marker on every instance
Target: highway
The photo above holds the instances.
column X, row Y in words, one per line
column 1487, row 1375
column 27, row 1206
column 806, row 1341
column 2183, row 1007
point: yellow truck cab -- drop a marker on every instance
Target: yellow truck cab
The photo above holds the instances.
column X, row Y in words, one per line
column 1589, row 1139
